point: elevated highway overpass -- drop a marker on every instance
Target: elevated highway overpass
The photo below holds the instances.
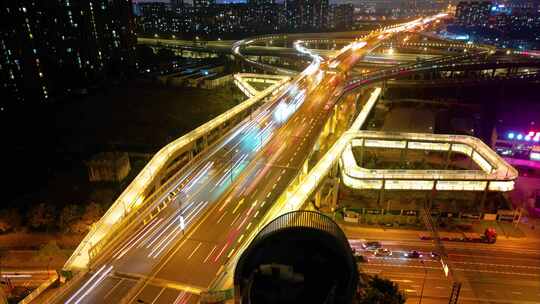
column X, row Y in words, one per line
column 221, row 197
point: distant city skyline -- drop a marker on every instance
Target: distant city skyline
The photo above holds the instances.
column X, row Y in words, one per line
column 239, row 1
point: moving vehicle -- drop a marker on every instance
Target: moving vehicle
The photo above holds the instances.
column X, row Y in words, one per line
column 383, row 252
column 413, row 254
column 371, row 245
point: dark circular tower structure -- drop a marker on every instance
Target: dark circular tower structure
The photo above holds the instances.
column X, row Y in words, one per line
column 299, row 257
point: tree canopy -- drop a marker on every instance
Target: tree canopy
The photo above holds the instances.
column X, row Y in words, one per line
column 381, row 291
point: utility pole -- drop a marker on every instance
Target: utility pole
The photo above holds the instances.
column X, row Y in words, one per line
column 424, row 282
column 454, row 295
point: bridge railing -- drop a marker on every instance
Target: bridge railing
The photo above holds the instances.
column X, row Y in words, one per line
column 495, row 173
column 133, row 197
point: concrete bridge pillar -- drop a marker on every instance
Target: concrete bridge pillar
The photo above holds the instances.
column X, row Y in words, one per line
column 205, row 141
column 318, row 196
column 380, row 198
column 483, row 198
column 335, row 193
column 361, row 157
column 333, row 121
column 448, row 157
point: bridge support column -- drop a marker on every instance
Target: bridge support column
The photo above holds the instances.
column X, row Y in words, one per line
column 380, row 199
column 403, row 154
column 448, row 157
column 205, row 141
column 361, row 158
column 305, row 167
column 483, row 198
column 333, row 121
column 318, row 195
column 335, row 194
column 432, row 195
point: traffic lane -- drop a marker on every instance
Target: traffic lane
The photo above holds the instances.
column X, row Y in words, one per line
column 85, row 291
column 162, row 295
column 215, row 176
column 109, row 290
column 192, row 264
column 152, row 238
column 476, row 285
column 479, row 265
column 457, row 248
column 165, row 268
column 137, row 262
column 117, row 290
column 477, row 262
column 226, row 236
column 187, row 179
column 217, row 234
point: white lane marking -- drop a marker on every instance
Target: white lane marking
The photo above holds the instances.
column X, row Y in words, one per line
column 134, row 237
column 176, row 230
column 222, row 216
column 268, row 195
column 211, row 251
column 236, row 218
column 517, row 292
column 112, row 289
column 159, row 294
column 180, row 296
column 121, row 254
column 98, row 281
column 86, row 283
column 194, row 250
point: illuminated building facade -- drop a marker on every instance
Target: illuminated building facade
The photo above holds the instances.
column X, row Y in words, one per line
column 473, row 13
column 52, row 48
column 341, row 16
column 307, row 14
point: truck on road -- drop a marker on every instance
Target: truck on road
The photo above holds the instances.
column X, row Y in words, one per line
column 489, row 236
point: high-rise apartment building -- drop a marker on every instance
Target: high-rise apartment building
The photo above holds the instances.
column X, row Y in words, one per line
column 473, row 13
column 203, row 3
column 307, row 14
column 340, row 16
column 50, row 48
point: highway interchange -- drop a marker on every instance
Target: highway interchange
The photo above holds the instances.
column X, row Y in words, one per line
column 223, row 195
column 218, row 199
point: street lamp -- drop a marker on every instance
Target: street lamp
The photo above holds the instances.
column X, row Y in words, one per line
column 424, row 282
